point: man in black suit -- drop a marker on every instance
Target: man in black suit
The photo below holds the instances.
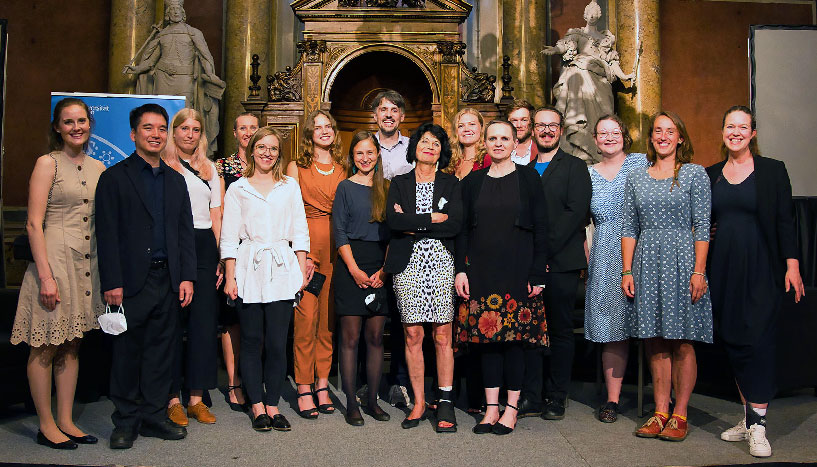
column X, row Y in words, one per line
column 567, row 198
column 147, row 263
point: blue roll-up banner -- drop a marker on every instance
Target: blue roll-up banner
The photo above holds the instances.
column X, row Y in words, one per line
column 110, row 135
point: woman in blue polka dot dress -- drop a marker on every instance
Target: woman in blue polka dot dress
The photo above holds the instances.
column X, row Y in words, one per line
column 606, row 309
column 665, row 239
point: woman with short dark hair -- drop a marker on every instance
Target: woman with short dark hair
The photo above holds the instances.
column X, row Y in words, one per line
column 424, row 211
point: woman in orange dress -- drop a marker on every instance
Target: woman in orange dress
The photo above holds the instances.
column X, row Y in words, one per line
column 319, row 169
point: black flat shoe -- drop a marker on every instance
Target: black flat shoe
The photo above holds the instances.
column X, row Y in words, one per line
column 500, row 429
column 376, row 413
column 309, row 414
column 354, row 419
column 122, row 438
column 280, row 423
column 554, row 409
column 165, row 430
column 528, row 408
column 413, row 422
column 325, row 408
column 235, row 406
column 68, row 444
column 484, row 428
column 87, row 439
column 262, row 423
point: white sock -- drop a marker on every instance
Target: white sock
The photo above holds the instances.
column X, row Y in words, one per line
column 446, row 388
column 759, row 411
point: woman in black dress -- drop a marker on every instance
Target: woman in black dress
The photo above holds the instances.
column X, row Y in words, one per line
column 753, row 260
column 501, row 262
column 361, row 236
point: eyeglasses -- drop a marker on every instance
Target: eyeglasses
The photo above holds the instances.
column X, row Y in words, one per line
column 615, row 134
column 261, row 149
column 550, row 126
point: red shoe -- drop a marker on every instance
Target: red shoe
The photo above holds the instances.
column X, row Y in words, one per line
column 654, row 426
column 675, row 430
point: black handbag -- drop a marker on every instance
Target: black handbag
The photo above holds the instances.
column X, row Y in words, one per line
column 20, row 247
column 377, row 301
column 316, row 284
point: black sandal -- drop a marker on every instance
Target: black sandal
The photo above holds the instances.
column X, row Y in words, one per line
column 325, row 408
column 309, row 414
column 484, row 428
column 445, row 413
column 235, row 406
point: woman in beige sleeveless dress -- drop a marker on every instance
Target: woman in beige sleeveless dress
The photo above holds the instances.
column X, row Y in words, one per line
column 60, row 297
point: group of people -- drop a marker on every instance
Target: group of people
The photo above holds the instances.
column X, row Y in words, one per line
column 479, row 230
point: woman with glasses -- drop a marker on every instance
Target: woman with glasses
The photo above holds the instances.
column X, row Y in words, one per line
column 605, row 308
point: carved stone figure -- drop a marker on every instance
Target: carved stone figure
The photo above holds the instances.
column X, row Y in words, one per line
column 176, row 61
column 584, row 92
column 477, row 87
column 284, row 86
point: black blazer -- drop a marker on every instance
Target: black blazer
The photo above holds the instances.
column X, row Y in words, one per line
column 123, row 224
column 775, row 211
column 403, row 191
column 531, row 217
column 568, row 189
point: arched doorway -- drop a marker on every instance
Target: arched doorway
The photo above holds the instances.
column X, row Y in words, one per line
column 359, row 81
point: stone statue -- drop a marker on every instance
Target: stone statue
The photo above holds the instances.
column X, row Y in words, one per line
column 176, row 61
column 584, row 92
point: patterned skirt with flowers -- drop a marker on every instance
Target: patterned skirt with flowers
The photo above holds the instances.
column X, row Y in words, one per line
column 502, row 318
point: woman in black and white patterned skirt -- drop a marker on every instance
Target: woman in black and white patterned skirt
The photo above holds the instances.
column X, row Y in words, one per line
column 424, row 211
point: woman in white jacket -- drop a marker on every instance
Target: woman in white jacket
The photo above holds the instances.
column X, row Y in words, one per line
column 264, row 242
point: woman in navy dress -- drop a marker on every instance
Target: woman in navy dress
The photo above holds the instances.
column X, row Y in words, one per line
column 754, row 258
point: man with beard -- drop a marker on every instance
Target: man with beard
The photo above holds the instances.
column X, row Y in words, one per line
column 519, row 115
column 567, row 197
column 389, row 109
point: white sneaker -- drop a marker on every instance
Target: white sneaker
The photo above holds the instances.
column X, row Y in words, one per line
column 758, row 444
column 736, row 433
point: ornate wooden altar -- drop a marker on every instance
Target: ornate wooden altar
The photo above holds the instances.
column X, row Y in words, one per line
column 412, row 46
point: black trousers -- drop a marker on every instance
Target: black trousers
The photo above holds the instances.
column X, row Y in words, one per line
column 560, row 299
column 198, row 363
column 503, row 362
column 141, row 369
column 264, row 328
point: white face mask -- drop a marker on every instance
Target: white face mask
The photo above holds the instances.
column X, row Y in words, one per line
column 113, row 323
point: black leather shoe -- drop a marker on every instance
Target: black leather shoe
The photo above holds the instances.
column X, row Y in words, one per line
column 554, row 409
column 528, row 408
column 354, row 418
column 413, row 422
column 376, row 413
column 67, row 444
column 87, row 439
column 122, row 438
column 165, row 429
column 262, row 423
column 280, row 423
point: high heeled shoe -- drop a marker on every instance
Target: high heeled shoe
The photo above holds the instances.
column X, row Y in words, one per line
column 325, row 408
column 309, row 414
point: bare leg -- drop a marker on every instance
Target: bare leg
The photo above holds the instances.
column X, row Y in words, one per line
column 509, row 417
column 39, row 381
column 445, row 354
column 614, row 362
column 231, row 346
column 416, row 367
column 659, row 353
column 684, row 374
column 66, row 371
column 491, row 411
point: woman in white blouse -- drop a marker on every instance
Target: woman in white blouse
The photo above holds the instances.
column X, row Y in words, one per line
column 186, row 152
column 264, row 242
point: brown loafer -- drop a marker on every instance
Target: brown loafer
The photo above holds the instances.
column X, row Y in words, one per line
column 201, row 413
column 653, row 427
column 675, row 430
column 176, row 415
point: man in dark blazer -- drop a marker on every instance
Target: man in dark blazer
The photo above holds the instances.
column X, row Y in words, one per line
column 566, row 182
column 147, row 263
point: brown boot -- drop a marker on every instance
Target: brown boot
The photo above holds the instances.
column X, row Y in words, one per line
column 176, row 415
column 654, row 425
column 201, row 413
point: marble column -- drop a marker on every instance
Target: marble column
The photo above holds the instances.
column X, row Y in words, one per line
column 131, row 22
column 249, row 31
column 638, row 30
column 523, row 38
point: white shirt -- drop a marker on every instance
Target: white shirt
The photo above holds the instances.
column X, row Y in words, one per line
column 523, row 159
column 202, row 197
column 262, row 234
column 394, row 158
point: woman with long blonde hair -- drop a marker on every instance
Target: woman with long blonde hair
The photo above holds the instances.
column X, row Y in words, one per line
column 468, row 152
column 186, row 152
column 319, row 168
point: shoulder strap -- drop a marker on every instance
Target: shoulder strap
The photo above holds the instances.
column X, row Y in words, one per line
column 54, row 180
column 189, row 167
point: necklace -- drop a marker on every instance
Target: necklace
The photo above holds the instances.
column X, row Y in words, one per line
column 324, row 172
